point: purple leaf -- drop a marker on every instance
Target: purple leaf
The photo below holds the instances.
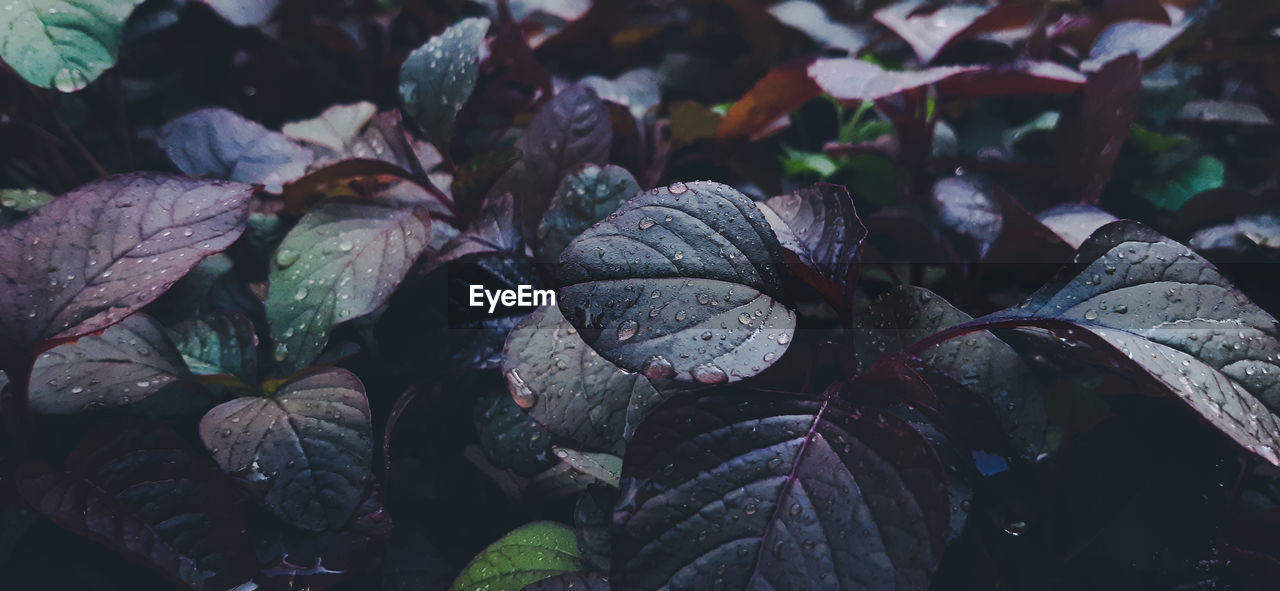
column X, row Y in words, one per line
column 145, row 493
column 1090, row 133
column 851, row 80
column 774, row 491
column 1138, row 38
column 1074, row 222
column 124, row 364
column 222, row 144
column 92, row 257
column 1164, row 310
column 495, row 231
column 683, row 282
column 571, row 130
column 568, row 388
column 307, row 448
column 1019, row 78
column 822, row 236
column 931, row 32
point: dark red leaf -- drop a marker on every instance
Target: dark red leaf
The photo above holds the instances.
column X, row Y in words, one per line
column 1090, row 133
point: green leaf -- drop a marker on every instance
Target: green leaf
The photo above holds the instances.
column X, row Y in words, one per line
column 62, row 44
column 797, row 162
column 342, row 261
column 219, row 344
column 683, row 282
column 1153, row 142
column 1186, row 181
column 124, row 364
column 527, row 555
column 23, row 200
column 307, row 449
column 585, row 197
column 566, row 386
column 437, row 78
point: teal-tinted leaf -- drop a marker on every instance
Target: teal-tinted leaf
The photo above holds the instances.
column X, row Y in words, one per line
column 570, row 389
column 62, row 44
column 742, row 490
column 342, row 261
column 606, row 468
column 243, row 13
column 222, row 144
column 527, row 555
column 308, row 447
column 980, row 362
column 145, row 493
column 682, row 283
column 572, row 129
column 90, row 258
column 437, row 78
column 219, row 344
column 508, row 437
column 585, row 197
column 1185, row 181
column 1170, row 313
column 124, row 364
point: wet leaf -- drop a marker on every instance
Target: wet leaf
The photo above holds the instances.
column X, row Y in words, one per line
column 682, row 283
column 342, row 261
column 219, row 344
column 527, row 555
column 1090, row 133
column 221, row 144
column 570, row 130
column 930, row 32
column 308, row 447
column 92, row 257
column 751, row 490
column 437, row 78
column 124, row 364
column 579, row 581
column 63, row 44
column 509, row 437
column 585, row 197
column 980, row 362
column 819, row 228
column 145, row 493
column 570, row 389
column 1167, row 311
column 603, row 467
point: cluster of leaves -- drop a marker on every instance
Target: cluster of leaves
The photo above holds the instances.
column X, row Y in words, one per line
column 849, row 295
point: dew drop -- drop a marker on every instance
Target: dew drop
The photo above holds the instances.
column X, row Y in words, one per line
column 627, row 330
column 286, row 257
column 709, row 374
column 677, row 188
column 658, row 368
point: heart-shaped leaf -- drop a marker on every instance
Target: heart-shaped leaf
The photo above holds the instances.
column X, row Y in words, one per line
column 1172, row 314
column 124, row 364
column 980, row 362
column 570, row 130
column 308, row 446
column 222, row 144
column 63, row 44
column 741, row 490
column 92, row 257
column 219, row 344
column 342, row 261
column 683, row 282
column 568, row 388
column 146, row 493
column 437, row 78
column 527, row 555
column 820, row 230
column 585, row 196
